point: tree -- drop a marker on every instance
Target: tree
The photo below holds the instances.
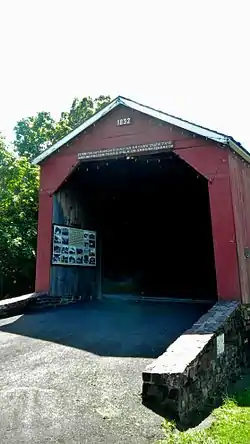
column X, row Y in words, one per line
column 35, row 134
column 81, row 110
column 18, row 222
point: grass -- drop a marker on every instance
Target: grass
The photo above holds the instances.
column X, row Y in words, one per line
column 231, row 425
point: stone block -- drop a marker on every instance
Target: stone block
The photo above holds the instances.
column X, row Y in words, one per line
column 174, row 394
column 191, row 371
column 147, row 377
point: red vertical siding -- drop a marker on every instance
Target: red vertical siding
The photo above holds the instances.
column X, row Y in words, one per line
column 43, row 242
column 240, row 186
column 224, row 239
column 53, row 173
column 212, row 162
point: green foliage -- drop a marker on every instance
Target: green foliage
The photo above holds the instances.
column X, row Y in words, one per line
column 18, row 222
column 19, row 182
column 35, row 134
column 231, row 425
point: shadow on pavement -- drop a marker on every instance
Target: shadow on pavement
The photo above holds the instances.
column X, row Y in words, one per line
column 110, row 327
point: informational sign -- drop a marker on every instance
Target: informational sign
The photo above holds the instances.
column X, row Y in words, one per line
column 220, row 344
column 73, row 246
column 127, row 150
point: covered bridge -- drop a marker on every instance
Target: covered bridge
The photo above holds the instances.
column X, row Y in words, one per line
column 138, row 200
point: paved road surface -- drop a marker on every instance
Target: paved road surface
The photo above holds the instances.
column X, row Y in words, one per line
column 73, row 374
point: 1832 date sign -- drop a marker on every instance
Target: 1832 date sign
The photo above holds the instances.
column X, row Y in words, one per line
column 124, row 121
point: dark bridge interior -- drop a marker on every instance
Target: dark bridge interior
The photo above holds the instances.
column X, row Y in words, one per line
column 152, row 214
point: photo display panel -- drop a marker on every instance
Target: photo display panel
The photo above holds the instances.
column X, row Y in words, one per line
column 73, row 246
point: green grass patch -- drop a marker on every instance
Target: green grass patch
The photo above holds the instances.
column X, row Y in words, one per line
column 231, row 425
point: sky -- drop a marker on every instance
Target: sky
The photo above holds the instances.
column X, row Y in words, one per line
column 187, row 58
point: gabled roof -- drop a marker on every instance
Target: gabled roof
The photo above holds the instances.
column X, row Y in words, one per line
column 172, row 120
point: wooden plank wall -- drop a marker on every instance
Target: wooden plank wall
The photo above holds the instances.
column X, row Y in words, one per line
column 71, row 282
column 213, row 163
column 240, row 188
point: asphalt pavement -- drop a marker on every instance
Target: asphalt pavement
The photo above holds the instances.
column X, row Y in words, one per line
column 73, row 374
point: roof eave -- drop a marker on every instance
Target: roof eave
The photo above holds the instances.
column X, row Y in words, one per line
column 188, row 126
column 238, row 149
column 76, row 131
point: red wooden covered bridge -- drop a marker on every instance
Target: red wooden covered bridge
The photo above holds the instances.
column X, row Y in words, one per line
column 138, row 200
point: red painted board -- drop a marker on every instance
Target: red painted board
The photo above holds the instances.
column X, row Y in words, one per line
column 212, row 162
column 240, row 187
column 224, row 239
column 44, row 242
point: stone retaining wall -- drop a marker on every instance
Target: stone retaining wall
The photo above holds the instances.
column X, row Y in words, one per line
column 196, row 370
column 33, row 302
column 45, row 300
column 14, row 306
